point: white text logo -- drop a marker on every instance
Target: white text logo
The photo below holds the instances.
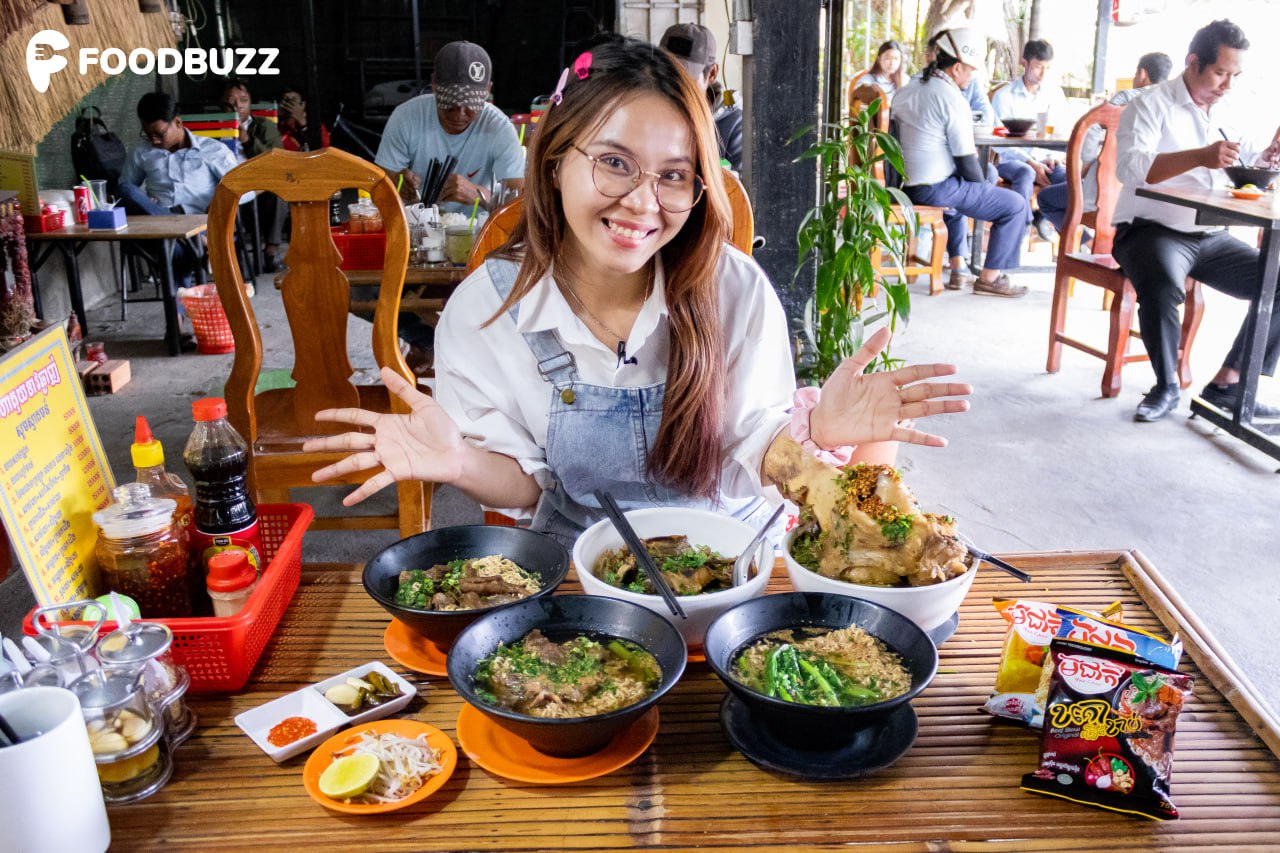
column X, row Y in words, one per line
column 43, row 60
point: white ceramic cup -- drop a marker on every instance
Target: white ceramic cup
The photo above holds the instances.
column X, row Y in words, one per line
column 50, row 797
column 1042, row 123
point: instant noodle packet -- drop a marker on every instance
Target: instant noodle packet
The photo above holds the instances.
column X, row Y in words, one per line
column 1109, row 730
column 1025, row 666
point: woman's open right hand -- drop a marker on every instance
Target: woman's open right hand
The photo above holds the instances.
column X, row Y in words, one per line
column 422, row 445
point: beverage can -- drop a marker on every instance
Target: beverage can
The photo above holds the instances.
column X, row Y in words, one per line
column 83, row 205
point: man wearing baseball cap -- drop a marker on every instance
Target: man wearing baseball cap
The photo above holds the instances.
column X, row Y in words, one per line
column 455, row 120
column 935, row 126
column 694, row 47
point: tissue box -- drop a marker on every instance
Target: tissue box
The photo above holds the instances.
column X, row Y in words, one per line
column 107, row 220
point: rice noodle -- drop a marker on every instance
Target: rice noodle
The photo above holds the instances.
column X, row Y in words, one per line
column 404, row 765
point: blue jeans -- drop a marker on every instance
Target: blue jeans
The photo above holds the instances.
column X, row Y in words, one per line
column 1053, row 203
column 1004, row 209
column 1022, row 178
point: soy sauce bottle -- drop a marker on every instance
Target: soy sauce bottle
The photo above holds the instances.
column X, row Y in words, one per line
column 218, row 458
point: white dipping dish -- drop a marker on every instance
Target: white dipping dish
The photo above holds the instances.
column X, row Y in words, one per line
column 721, row 533
column 309, row 702
column 927, row 606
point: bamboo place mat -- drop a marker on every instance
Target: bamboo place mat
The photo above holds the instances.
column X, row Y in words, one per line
column 955, row 790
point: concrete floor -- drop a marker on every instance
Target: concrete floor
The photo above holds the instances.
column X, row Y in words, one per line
column 1042, row 462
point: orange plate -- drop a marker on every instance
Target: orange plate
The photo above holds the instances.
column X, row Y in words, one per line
column 1247, row 195
column 323, row 757
column 412, row 650
column 504, row 754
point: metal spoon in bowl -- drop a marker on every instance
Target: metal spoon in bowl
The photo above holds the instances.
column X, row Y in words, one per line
column 743, row 564
column 975, row 551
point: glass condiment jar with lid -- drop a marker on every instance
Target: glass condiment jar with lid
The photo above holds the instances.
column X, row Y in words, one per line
column 125, row 734
column 141, row 553
column 146, row 648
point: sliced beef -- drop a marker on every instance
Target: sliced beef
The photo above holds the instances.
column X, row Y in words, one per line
column 552, row 653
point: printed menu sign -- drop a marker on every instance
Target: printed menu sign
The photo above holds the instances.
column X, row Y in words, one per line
column 53, row 472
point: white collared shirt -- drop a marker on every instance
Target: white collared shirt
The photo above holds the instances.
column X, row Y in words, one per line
column 184, row 178
column 487, row 378
column 1165, row 120
column 1016, row 101
column 935, row 125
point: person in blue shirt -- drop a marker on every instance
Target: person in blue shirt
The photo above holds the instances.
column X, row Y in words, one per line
column 173, row 171
column 455, row 120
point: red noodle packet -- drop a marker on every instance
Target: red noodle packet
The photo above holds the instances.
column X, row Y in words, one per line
column 1109, row 725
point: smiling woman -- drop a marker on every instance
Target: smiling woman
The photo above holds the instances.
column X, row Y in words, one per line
column 615, row 342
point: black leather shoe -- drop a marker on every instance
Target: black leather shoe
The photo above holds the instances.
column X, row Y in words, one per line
column 1225, row 397
column 1160, row 401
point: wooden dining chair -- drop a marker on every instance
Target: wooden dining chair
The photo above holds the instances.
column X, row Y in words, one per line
column 913, row 265
column 316, row 296
column 1099, row 268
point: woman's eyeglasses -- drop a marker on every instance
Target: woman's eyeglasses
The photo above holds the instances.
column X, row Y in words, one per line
column 616, row 175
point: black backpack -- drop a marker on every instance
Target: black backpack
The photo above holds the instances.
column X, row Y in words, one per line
column 96, row 152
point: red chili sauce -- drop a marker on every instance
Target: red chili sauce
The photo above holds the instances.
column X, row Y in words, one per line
column 290, row 729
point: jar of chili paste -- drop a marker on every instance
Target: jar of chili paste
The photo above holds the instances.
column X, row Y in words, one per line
column 142, row 554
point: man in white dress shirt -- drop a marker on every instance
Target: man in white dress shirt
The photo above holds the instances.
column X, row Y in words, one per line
column 1031, row 96
column 1180, row 135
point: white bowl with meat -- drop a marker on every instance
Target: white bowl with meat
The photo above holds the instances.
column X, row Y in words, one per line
column 680, row 538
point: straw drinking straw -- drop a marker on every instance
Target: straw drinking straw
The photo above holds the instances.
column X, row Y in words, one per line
column 399, row 182
column 475, row 208
column 9, row 733
column 97, row 202
column 522, row 127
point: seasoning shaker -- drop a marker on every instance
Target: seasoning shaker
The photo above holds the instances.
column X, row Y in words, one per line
column 125, row 734
column 70, row 645
column 146, row 648
column 231, row 581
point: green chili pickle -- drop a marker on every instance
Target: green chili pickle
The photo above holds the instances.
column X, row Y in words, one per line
column 141, row 552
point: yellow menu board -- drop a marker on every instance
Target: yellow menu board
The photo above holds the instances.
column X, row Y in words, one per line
column 53, row 473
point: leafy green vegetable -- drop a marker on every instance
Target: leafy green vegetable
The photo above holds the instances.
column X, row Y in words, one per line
column 896, row 531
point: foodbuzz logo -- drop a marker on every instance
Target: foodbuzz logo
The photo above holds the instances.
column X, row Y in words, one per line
column 44, row 59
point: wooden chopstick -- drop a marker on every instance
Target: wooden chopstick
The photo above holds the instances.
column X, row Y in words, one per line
column 641, row 554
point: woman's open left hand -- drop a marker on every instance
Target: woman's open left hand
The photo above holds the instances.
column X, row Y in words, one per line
column 422, row 445
column 858, row 407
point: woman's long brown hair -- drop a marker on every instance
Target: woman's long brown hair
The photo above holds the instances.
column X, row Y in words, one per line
column 688, row 452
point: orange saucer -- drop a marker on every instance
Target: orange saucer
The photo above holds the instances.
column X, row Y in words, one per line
column 696, row 655
column 324, row 755
column 504, row 754
column 412, row 650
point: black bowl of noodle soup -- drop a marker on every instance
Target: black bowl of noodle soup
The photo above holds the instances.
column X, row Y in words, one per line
column 882, row 660
column 568, row 672
column 524, row 557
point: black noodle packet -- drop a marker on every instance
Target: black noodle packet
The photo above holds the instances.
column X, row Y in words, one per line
column 1108, row 732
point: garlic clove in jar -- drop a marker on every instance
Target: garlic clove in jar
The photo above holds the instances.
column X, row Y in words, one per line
column 107, row 742
column 133, row 727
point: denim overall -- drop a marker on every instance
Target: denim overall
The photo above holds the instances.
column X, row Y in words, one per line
column 597, row 437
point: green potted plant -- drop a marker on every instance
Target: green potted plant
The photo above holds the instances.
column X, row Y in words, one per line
column 855, row 213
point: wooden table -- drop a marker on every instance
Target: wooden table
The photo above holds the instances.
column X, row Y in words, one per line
column 1217, row 207
column 71, row 240
column 425, row 288
column 957, row 789
column 987, row 141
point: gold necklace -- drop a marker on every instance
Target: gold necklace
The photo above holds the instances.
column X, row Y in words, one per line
column 621, row 339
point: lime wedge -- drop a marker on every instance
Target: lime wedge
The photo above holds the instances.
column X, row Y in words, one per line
column 349, row 776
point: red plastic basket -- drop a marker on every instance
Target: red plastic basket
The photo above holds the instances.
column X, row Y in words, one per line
column 220, row 652
column 213, row 332
column 360, row 251
column 44, row 222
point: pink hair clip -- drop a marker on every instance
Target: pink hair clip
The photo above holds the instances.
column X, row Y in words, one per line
column 582, row 65
column 558, row 95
